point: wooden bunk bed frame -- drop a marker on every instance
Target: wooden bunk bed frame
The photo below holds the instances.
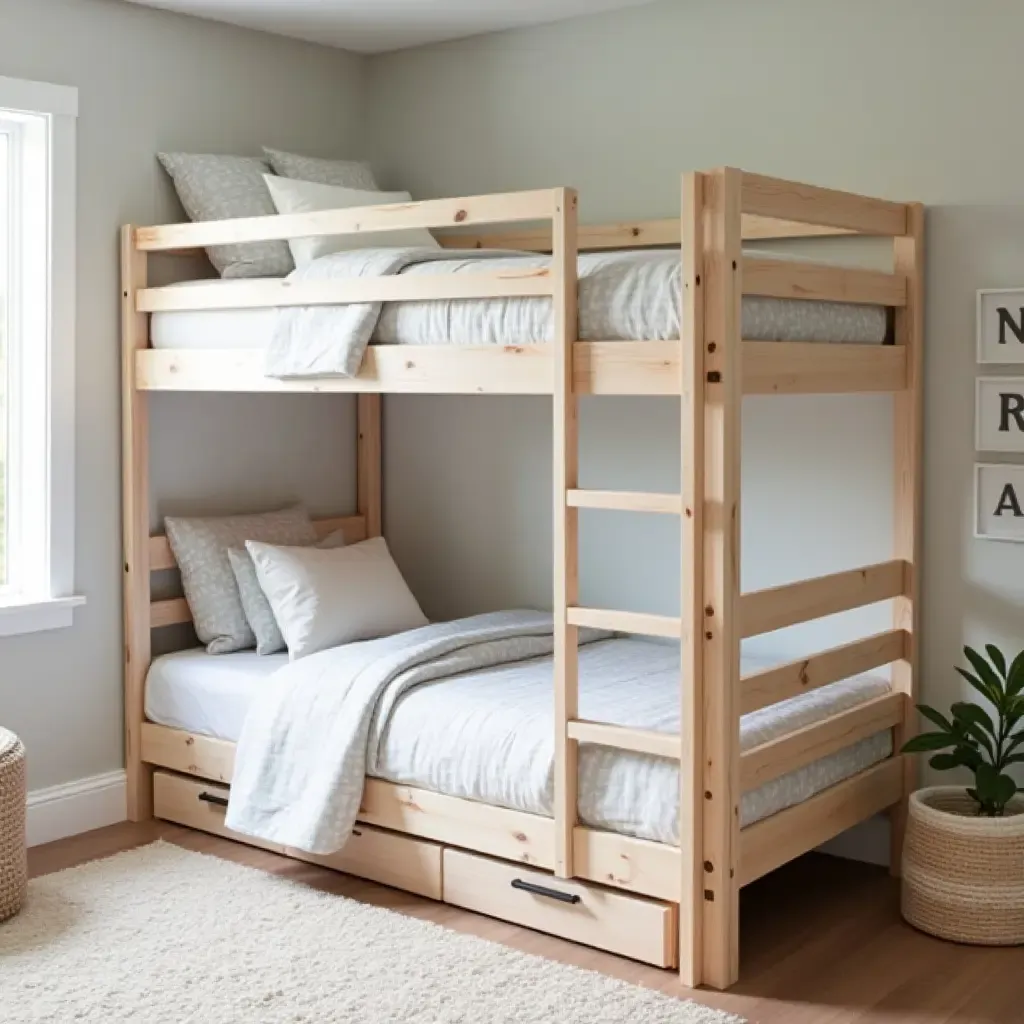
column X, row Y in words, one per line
column 651, row 901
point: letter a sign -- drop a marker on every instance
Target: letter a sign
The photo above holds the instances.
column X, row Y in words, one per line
column 1001, row 325
column 999, row 511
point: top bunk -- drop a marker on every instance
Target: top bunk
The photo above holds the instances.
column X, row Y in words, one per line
column 470, row 322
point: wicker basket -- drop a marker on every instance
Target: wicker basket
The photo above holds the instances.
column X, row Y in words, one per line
column 13, row 859
column 963, row 875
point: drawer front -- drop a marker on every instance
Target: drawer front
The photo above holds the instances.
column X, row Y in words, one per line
column 634, row 926
column 399, row 861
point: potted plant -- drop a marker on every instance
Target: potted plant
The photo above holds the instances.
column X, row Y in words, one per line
column 963, row 854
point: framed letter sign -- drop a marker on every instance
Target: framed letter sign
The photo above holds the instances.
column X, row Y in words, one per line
column 1001, row 325
column 999, row 414
column 999, row 502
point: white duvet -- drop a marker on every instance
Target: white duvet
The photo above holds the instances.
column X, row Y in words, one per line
column 395, row 710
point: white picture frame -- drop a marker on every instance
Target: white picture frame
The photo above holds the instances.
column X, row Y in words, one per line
column 991, row 481
column 1000, row 336
column 999, row 414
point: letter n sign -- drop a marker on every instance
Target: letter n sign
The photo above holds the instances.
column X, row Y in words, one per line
column 999, row 414
column 1001, row 325
column 999, row 502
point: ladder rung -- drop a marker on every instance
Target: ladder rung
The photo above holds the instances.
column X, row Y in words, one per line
column 624, row 622
column 641, row 741
column 627, row 501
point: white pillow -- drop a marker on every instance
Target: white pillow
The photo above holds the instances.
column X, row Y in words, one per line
column 323, row 598
column 293, row 196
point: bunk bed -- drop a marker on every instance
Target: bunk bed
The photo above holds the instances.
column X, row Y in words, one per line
column 672, row 904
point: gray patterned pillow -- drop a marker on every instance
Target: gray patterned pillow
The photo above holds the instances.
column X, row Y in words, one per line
column 348, row 173
column 214, row 187
column 200, row 547
column 258, row 612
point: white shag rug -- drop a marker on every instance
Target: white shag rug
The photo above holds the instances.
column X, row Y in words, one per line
column 160, row 935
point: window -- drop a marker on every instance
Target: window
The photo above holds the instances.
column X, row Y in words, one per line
column 37, row 319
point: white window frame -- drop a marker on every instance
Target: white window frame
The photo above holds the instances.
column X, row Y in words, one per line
column 40, row 121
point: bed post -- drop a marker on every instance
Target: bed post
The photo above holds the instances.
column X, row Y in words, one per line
column 565, row 439
column 908, row 260
column 691, row 580
column 721, row 531
column 135, row 529
column 369, row 460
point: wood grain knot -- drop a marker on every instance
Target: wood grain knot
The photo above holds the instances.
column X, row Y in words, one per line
column 190, row 741
column 520, row 837
column 460, row 215
column 635, row 232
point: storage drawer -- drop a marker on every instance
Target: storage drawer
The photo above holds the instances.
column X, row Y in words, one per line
column 399, row 861
column 633, row 926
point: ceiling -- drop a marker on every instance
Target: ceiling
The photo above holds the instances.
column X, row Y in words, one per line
column 375, row 26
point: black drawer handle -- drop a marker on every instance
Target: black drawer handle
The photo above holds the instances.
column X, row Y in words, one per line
column 543, row 890
column 210, row 798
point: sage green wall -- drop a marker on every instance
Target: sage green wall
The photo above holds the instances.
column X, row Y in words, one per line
column 898, row 98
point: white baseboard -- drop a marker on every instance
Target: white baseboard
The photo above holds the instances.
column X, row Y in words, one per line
column 74, row 807
column 868, row 842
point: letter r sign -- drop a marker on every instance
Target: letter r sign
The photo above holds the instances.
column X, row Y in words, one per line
column 999, row 414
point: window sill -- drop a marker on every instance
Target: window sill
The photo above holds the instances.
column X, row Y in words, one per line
column 31, row 615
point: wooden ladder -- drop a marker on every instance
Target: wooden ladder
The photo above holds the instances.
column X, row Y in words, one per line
column 706, row 627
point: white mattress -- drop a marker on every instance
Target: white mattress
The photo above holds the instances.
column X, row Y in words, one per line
column 488, row 735
column 623, row 295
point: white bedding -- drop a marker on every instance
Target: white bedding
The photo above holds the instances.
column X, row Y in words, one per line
column 487, row 735
column 624, row 295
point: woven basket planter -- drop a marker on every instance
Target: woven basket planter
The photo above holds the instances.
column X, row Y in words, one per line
column 963, row 875
column 13, row 858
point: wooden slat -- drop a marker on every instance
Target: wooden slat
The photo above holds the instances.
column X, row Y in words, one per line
column 565, row 428
column 172, row 612
column 792, row 279
column 691, row 583
column 395, row 369
column 190, row 753
column 626, row 501
column 637, row 865
column 814, row 367
column 369, row 463
column 641, row 623
column 764, row 611
column 600, row 368
column 267, row 294
column 636, row 234
column 720, row 632
column 507, row 208
column 813, row 742
column 775, row 840
column 498, row 831
column 619, row 737
column 908, row 424
column 762, row 689
column 792, row 201
column 161, row 557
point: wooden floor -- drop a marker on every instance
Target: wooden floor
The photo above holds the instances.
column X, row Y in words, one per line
column 822, row 939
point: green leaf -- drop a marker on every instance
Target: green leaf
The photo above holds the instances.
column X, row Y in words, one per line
column 986, row 779
column 976, row 731
column 944, row 762
column 928, row 741
column 1015, row 742
column 1015, row 676
column 996, row 657
column 934, row 716
column 969, row 756
column 1014, row 759
column 1005, row 787
column 987, row 675
column 964, row 711
column 984, row 690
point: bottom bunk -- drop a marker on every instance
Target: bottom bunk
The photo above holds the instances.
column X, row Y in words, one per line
column 463, row 770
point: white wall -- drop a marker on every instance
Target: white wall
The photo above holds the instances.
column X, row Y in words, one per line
column 896, row 98
column 149, row 81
